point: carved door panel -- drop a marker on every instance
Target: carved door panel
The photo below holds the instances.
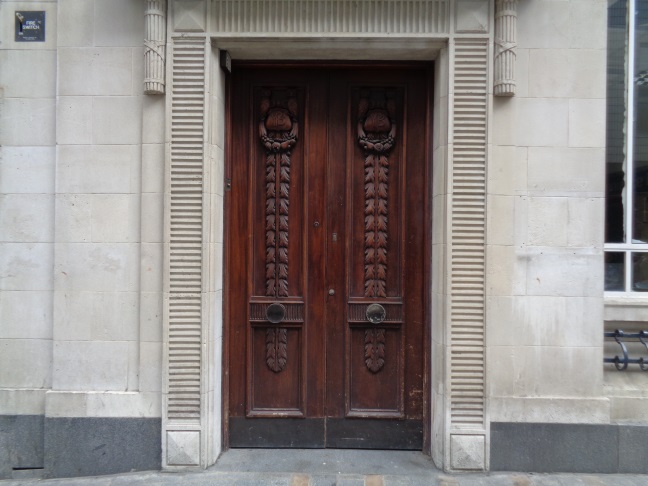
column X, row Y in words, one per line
column 326, row 260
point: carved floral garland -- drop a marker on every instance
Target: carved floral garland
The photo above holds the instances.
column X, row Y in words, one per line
column 278, row 130
column 376, row 136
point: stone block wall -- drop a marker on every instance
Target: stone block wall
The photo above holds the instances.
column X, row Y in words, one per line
column 27, row 168
column 546, row 213
column 80, row 267
column 98, row 183
column 546, row 311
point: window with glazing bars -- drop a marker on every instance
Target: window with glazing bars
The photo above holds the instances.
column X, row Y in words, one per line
column 626, row 218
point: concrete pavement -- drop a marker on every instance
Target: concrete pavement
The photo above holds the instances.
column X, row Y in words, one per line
column 330, row 467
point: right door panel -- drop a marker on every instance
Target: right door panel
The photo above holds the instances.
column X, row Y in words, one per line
column 377, row 187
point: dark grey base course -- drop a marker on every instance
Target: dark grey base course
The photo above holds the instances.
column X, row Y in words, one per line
column 94, row 446
column 21, row 443
column 577, row 448
column 67, row 447
column 88, row 446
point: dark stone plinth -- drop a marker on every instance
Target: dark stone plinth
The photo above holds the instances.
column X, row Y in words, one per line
column 91, row 446
column 575, row 448
column 633, row 449
column 21, row 443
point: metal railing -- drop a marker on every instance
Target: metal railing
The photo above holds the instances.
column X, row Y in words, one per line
column 622, row 338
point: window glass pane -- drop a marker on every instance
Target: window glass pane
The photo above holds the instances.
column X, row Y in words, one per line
column 640, row 272
column 640, row 190
column 616, row 112
column 614, row 273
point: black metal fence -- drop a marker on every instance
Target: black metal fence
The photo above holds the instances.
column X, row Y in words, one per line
column 623, row 339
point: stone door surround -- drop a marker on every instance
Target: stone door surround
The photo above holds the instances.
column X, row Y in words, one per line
column 458, row 36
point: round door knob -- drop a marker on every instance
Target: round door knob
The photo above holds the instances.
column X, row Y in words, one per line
column 331, row 292
column 275, row 313
column 376, row 313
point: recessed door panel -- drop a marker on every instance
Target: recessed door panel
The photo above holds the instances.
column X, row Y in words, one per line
column 375, row 371
column 375, row 222
column 276, row 381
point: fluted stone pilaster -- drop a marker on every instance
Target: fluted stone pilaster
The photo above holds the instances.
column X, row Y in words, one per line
column 505, row 47
column 154, row 47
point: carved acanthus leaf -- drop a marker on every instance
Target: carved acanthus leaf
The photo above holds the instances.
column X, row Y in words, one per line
column 276, row 348
column 376, row 135
column 375, row 349
column 278, row 134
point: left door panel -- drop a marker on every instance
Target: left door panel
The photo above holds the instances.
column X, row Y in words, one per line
column 274, row 255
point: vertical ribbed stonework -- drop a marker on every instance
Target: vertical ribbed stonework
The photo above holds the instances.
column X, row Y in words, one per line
column 505, row 47
column 331, row 16
column 185, row 252
column 155, row 47
column 468, row 216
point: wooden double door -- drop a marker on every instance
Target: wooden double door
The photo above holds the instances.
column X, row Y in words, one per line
column 327, row 257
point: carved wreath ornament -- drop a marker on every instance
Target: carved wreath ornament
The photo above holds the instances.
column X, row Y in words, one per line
column 376, row 136
column 278, row 128
column 278, row 133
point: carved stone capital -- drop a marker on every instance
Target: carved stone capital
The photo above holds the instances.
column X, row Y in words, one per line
column 505, row 47
column 155, row 46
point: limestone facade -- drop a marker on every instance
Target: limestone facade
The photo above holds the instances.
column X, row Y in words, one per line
column 112, row 215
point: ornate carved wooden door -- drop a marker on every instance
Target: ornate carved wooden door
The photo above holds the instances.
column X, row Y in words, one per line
column 326, row 257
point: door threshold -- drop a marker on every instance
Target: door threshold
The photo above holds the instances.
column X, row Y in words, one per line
column 325, row 461
column 326, row 433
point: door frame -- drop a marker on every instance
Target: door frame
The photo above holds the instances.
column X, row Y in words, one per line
column 192, row 289
column 429, row 68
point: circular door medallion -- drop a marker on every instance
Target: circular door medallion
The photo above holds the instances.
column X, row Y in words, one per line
column 275, row 313
column 376, row 313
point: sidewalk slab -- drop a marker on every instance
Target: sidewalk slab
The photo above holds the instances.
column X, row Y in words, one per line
column 329, row 467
